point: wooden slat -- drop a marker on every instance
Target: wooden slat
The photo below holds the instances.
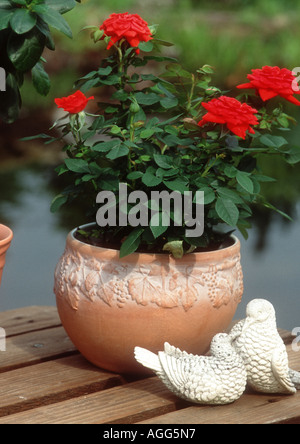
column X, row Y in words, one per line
column 249, row 409
column 35, row 347
column 120, row 405
column 50, row 382
column 24, row 320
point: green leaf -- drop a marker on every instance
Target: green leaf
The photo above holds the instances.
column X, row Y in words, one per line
column 229, row 194
column 273, row 141
column 53, row 18
column 263, row 178
column 132, row 242
column 169, row 102
column 120, row 95
column 293, row 156
column 40, row 9
column 230, row 171
column 115, row 129
column 25, row 50
column 146, row 133
column 5, row 4
column 104, row 147
column 44, row 29
column 163, row 161
column 40, row 79
column 5, row 18
column 172, row 140
column 177, row 185
column 118, row 151
column 163, row 42
column 147, row 99
column 61, row 6
column 22, row 21
column 146, row 46
column 206, row 69
column 175, row 248
column 57, row 202
column 271, row 207
column 245, row 181
column 77, row 165
column 227, row 211
column 104, row 71
column 150, row 180
column 158, row 230
column 242, row 226
column 209, row 195
column 134, row 175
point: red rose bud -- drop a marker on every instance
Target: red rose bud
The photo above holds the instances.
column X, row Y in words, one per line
column 130, row 27
column 271, row 81
column 235, row 115
column 73, row 104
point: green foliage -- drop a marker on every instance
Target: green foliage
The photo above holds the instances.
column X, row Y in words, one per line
column 24, row 34
column 147, row 137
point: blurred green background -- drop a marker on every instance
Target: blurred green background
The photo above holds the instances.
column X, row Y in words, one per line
column 234, row 36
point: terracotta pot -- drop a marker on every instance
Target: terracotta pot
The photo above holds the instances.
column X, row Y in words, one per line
column 110, row 305
column 6, row 236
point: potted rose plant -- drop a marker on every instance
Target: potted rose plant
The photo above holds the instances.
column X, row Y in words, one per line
column 138, row 274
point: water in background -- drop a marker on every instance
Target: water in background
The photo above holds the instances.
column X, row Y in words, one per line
column 272, row 273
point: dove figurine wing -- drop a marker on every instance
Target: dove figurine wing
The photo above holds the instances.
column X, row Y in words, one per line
column 280, row 369
column 173, row 368
column 191, row 376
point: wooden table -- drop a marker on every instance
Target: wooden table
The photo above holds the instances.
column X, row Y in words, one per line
column 44, row 380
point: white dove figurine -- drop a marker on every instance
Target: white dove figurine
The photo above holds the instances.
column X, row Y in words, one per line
column 258, row 342
column 217, row 379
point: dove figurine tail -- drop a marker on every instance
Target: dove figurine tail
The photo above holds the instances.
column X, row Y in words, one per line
column 147, row 359
column 295, row 377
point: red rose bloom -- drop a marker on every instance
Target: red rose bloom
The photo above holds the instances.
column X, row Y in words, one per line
column 130, row 27
column 271, row 81
column 236, row 115
column 74, row 103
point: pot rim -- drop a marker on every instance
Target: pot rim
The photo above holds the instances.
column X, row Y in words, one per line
column 6, row 235
column 110, row 253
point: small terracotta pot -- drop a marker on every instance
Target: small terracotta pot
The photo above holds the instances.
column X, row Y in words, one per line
column 110, row 305
column 6, row 236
